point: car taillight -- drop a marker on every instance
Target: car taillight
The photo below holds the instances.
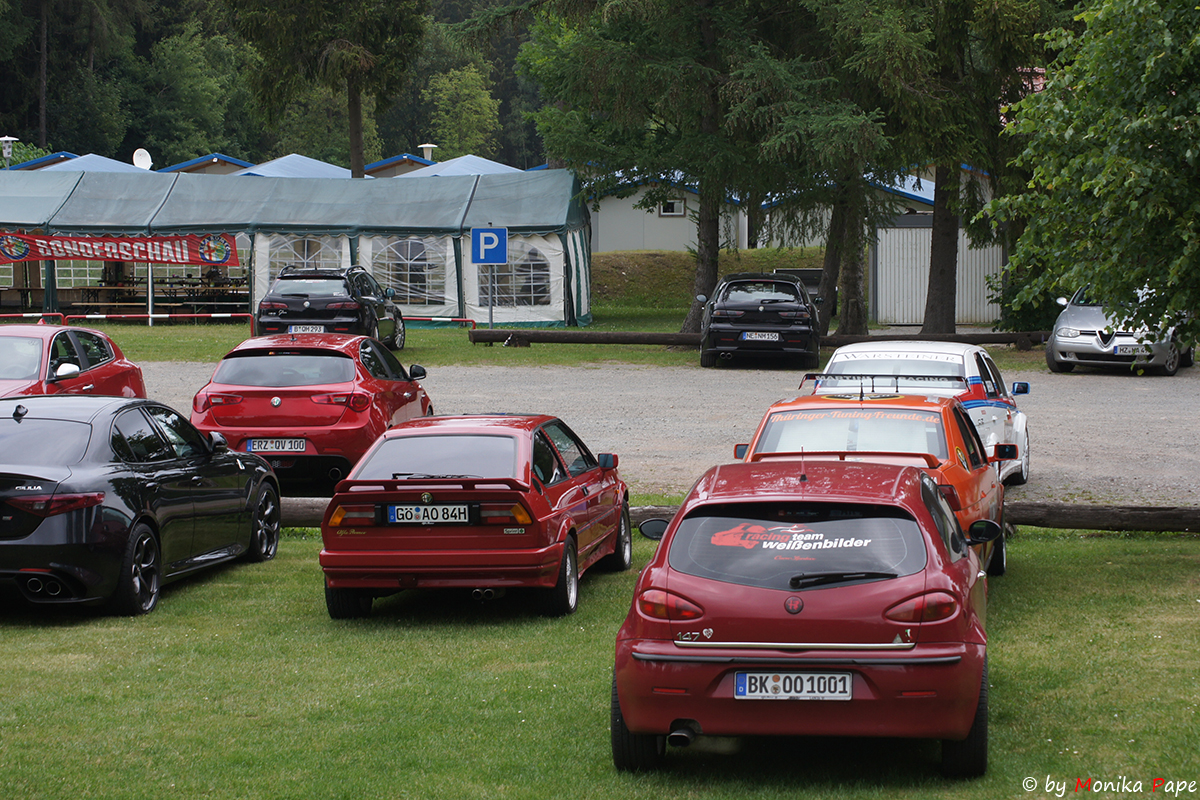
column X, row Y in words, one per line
column 793, row 314
column 356, row 401
column 347, row 305
column 353, row 515
column 659, row 604
column 49, row 505
column 268, row 305
column 926, row 608
column 505, row 514
column 726, row 313
column 951, row 495
column 204, row 401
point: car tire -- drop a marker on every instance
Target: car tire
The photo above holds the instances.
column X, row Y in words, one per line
column 998, row 565
column 968, row 758
column 347, row 603
column 563, row 598
column 1188, row 359
column 1021, row 476
column 633, row 752
column 708, row 359
column 140, row 581
column 1054, row 364
column 265, row 525
column 621, row 558
column 1172, row 364
column 398, row 337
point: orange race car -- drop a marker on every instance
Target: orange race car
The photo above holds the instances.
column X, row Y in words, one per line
column 935, row 433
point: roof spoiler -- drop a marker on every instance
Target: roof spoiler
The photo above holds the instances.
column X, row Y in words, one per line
column 395, row 484
column 841, row 455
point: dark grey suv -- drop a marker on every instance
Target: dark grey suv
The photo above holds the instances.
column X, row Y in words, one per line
column 330, row 300
column 758, row 314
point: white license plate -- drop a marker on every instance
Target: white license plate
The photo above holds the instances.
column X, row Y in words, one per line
column 1129, row 350
column 306, row 328
column 760, row 336
column 429, row 515
column 276, row 446
column 793, row 685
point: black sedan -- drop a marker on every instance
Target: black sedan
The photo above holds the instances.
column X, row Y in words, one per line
column 757, row 314
column 105, row 499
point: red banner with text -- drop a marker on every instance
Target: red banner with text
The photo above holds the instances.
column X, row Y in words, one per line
column 213, row 249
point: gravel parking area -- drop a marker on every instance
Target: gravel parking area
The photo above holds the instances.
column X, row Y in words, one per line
column 1096, row 438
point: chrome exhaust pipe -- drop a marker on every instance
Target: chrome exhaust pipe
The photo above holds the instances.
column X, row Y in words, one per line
column 335, row 474
column 54, row 588
column 34, row 586
column 681, row 737
column 726, row 356
column 483, row 594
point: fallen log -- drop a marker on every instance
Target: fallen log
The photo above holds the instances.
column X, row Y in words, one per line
column 307, row 512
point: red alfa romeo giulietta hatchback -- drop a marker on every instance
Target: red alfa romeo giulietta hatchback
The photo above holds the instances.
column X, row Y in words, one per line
column 486, row 503
column 827, row 598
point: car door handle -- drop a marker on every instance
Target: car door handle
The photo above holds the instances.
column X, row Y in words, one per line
column 88, row 388
column 196, row 480
column 151, row 485
column 982, row 574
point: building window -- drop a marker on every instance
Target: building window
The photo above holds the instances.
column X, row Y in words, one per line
column 315, row 251
column 521, row 283
column 405, row 265
column 673, row 208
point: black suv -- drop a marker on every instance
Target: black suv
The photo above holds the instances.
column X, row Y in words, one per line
column 330, row 300
column 756, row 314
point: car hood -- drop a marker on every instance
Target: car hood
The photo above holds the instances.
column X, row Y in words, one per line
column 1088, row 318
column 13, row 388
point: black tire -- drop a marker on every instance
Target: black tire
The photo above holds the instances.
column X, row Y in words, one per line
column 633, row 752
column 707, row 360
column 999, row 563
column 347, row 603
column 1173, row 362
column 140, row 581
column 563, row 599
column 1188, row 358
column 968, row 758
column 399, row 335
column 621, row 558
column 1054, row 364
column 1021, row 476
column 265, row 525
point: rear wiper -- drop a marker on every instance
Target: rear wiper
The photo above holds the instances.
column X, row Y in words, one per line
column 818, row 578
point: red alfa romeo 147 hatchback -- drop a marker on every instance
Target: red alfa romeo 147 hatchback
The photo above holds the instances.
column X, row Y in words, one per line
column 824, row 599
column 485, row 503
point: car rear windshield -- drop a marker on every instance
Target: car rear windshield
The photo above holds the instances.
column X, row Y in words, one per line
column 761, row 292
column 319, row 287
column 883, row 364
column 284, row 369
column 890, row 429
column 43, row 442
column 442, row 455
column 20, row 358
column 770, row 545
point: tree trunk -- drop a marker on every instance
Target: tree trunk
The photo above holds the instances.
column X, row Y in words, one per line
column 43, row 68
column 355, row 124
column 832, row 265
column 943, row 254
column 852, row 301
column 708, row 250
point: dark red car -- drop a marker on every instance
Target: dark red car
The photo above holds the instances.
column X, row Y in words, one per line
column 311, row 404
column 53, row 359
column 831, row 598
column 485, row 503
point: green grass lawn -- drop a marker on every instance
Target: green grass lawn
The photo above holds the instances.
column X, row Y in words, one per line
column 240, row 686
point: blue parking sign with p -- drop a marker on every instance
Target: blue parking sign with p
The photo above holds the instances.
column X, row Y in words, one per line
column 489, row 245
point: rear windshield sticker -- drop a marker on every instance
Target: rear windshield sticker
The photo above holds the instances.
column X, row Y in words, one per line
column 782, row 537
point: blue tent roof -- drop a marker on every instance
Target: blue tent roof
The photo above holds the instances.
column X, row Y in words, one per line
column 463, row 165
column 295, row 165
column 184, row 166
column 91, row 163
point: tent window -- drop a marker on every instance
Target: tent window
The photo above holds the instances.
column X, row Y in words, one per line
column 520, row 283
column 316, row 251
column 405, row 265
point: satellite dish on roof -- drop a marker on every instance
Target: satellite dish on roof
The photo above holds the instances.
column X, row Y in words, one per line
column 142, row 159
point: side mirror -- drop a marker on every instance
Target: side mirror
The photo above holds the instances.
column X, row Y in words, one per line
column 416, row 372
column 1005, row 452
column 1062, row 301
column 740, row 450
column 389, row 293
column 607, row 460
column 984, row 531
column 818, row 300
column 66, row 371
column 702, row 298
column 1020, row 387
column 653, row 528
column 217, row 443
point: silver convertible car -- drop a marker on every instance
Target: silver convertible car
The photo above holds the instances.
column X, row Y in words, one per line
column 1085, row 334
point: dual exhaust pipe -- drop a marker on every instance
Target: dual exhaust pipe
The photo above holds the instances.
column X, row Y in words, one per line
column 486, row 594
column 49, row 588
